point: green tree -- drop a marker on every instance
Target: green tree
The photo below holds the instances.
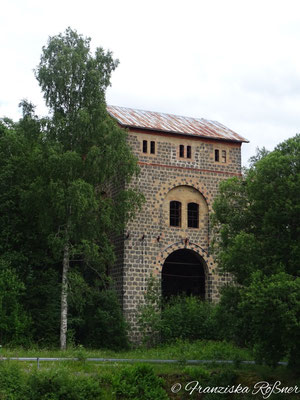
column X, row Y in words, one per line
column 57, row 202
column 14, row 322
column 83, row 155
column 23, row 244
column 257, row 219
column 257, row 239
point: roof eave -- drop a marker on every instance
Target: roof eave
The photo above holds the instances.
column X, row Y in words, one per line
column 183, row 133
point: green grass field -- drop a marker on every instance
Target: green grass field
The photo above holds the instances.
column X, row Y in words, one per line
column 118, row 380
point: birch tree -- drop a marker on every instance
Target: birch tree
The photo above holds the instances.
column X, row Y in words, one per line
column 86, row 153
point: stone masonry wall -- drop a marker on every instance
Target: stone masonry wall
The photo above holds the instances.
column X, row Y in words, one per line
column 150, row 239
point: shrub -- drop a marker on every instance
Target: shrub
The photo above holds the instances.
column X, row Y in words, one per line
column 12, row 382
column 139, row 382
column 14, row 322
column 149, row 318
column 230, row 325
column 187, row 318
column 182, row 317
column 272, row 307
column 59, row 385
column 104, row 324
column 95, row 316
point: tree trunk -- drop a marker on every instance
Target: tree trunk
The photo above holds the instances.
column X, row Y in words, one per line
column 64, row 299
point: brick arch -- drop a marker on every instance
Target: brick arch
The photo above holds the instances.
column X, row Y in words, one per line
column 208, row 262
column 192, row 182
column 180, row 245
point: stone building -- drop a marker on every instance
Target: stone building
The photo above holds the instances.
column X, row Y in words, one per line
column 182, row 161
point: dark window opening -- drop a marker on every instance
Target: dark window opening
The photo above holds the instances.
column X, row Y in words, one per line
column 217, row 156
column 193, row 215
column 152, row 147
column 189, row 152
column 223, row 156
column 183, row 273
column 145, row 146
column 181, row 150
column 175, row 213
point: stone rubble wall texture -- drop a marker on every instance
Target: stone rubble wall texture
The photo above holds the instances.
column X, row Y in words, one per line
column 139, row 252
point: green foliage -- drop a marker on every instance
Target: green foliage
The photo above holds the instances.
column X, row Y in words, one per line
column 88, row 154
column 58, row 211
column 52, row 384
column 139, row 382
column 257, row 222
column 257, row 218
column 230, row 325
column 60, row 385
column 42, row 300
column 14, row 322
column 149, row 317
column 271, row 306
column 104, row 324
column 187, row 318
column 13, row 384
column 182, row 317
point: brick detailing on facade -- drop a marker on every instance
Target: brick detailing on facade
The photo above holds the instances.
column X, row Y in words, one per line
column 150, row 238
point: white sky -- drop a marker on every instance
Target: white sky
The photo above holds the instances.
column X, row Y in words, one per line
column 234, row 61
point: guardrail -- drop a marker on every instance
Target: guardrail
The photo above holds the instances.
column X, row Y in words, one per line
column 128, row 360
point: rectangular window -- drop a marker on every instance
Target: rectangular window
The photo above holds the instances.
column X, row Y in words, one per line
column 145, row 146
column 223, row 156
column 188, row 152
column 193, row 215
column 152, row 147
column 175, row 213
column 217, row 156
column 181, row 150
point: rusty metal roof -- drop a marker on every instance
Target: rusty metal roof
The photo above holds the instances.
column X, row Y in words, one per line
column 156, row 121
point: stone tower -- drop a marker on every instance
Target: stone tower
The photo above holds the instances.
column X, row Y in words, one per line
column 182, row 161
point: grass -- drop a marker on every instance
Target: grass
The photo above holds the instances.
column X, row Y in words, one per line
column 208, row 374
column 180, row 350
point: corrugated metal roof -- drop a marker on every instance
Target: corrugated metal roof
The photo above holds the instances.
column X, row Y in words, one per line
column 156, row 121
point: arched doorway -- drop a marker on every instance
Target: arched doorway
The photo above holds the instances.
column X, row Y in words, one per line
column 183, row 273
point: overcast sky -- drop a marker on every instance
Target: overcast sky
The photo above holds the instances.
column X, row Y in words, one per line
column 234, row 61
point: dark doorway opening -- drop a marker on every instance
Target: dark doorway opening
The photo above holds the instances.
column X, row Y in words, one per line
column 183, row 273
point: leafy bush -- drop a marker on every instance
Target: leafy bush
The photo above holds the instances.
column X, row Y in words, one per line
column 182, row 317
column 230, row 326
column 139, row 382
column 263, row 316
column 59, row 385
column 188, row 318
column 271, row 306
column 149, row 318
column 14, row 322
column 103, row 323
column 12, row 382
column 53, row 384
column 42, row 299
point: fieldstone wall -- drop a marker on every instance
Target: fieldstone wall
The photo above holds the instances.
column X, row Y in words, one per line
column 149, row 239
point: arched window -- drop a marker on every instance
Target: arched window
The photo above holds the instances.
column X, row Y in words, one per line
column 175, row 213
column 193, row 215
